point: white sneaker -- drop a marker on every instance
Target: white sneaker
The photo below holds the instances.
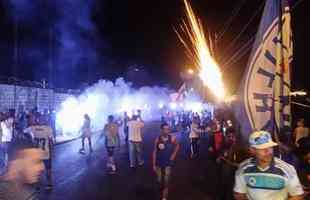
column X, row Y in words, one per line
column 113, row 168
column 82, row 151
column 49, row 187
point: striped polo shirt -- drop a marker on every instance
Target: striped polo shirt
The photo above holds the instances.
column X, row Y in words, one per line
column 276, row 182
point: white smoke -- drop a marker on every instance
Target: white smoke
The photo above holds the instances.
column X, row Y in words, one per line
column 107, row 98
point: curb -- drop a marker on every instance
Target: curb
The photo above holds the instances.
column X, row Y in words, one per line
column 73, row 139
column 66, row 141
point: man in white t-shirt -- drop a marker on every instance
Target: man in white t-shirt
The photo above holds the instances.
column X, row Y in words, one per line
column 6, row 139
column 265, row 177
column 135, row 141
column 7, row 130
column 43, row 139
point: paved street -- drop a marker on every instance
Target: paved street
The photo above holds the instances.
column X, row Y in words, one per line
column 78, row 177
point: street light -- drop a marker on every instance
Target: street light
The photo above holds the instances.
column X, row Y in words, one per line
column 190, row 71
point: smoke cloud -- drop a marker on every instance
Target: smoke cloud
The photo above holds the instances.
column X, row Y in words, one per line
column 60, row 34
column 111, row 98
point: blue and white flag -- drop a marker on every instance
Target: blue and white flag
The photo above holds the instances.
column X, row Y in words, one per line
column 263, row 99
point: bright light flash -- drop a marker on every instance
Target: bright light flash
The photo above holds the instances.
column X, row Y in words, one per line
column 69, row 118
column 190, row 71
column 209, row 72
column 194, row 106
column 173, row 105
column 160, row 105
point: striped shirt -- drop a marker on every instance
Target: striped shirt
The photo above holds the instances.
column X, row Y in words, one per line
column 277, row 182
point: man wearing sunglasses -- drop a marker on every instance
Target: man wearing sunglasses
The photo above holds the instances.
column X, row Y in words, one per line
column 265, row 176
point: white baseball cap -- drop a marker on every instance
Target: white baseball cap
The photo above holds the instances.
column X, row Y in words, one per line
column 261, row 140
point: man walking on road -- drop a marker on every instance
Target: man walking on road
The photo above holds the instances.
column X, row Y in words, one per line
column 135, row 141
column 86, row 134
column 264, row 176
column 194, row 137
column 112, row 141
column 165, row 151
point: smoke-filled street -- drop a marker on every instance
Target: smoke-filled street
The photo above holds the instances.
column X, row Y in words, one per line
column 154, row 100
column 79, row 176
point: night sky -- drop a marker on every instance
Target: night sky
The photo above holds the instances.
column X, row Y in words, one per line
column 71, row 42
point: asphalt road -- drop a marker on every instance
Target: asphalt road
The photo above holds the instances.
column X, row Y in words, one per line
column 84, row 177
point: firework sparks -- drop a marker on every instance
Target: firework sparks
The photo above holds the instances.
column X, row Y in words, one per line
column 197, row 48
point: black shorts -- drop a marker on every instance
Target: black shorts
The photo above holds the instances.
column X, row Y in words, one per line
column 163, row 175
column 110, row 151
column 48, row 164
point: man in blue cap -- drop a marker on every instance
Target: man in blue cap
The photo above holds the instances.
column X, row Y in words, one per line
column 265, row 176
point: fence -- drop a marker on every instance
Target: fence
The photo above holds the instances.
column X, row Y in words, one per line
column 17, row 97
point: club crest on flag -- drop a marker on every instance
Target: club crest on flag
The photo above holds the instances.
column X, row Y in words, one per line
column 264, row 102
column 260, row 79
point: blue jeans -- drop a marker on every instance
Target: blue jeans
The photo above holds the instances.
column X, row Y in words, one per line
column 135, row 153
column 4, row 148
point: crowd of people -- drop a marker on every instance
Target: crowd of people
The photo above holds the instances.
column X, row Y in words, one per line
column 25, row 152
column 256, row 172
column 14, row 126
column 252, row 180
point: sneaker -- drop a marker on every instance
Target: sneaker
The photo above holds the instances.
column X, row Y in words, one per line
column 113, row 167
column 141, row 163
column 49, row 187
column 82, row 151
